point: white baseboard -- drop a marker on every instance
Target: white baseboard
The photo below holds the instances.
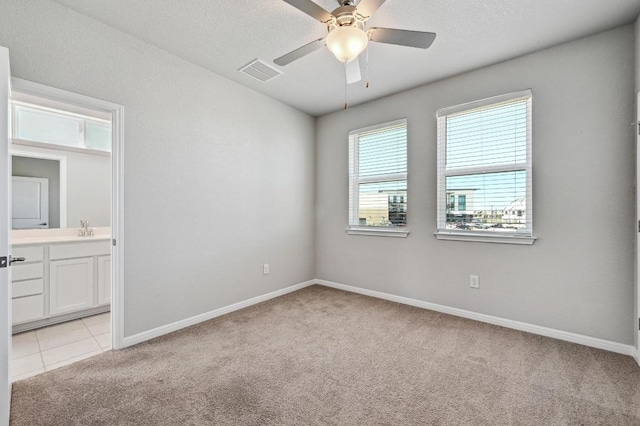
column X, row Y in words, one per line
column 165, row 329
column 517, row 325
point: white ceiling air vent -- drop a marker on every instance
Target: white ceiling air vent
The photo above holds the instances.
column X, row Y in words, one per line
column 260, row 71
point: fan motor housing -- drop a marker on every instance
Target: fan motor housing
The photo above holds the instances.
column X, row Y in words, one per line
column 345, row 15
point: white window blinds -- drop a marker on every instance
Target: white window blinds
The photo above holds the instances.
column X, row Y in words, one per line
column 484, row 166
column 378, row 176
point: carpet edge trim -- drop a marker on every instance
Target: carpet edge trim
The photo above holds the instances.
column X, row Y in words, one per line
column 581, row 339
column 187, row 322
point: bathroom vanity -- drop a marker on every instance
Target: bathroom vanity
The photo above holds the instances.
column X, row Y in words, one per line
column 64, row 276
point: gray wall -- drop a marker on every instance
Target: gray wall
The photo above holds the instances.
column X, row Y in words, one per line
column 218, row 178
column 47, row 169
column 578, row 276
column 88, row 186
column 637, row 28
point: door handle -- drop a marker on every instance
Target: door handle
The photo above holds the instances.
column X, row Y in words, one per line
column 16, row 259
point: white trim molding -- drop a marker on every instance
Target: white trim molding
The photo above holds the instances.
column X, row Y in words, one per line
column 175, row 326
column 485, row 238
column 503, row 322
column 378, row 231
column 117, row 227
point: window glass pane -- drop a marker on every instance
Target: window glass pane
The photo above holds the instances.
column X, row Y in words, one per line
column 382, row 204
column 462, row 202
column 492, row 136
column 48, row 128
column 383, row 151
column 98, row 137
column 490, row 201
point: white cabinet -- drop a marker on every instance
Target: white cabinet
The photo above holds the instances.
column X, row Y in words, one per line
column 27, row 282
column 70, row 285
column 104, row 280
column 60, row 281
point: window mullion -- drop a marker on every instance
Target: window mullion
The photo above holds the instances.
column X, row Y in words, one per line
column 382, row 178
column 485, row 170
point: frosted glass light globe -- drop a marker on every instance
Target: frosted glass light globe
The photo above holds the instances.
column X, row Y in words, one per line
column 347, row 42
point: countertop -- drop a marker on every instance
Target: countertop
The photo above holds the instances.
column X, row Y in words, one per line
column 20, row 237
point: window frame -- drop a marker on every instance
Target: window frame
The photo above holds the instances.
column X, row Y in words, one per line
column 516, row 237
column 82, row 121
column 355, row 182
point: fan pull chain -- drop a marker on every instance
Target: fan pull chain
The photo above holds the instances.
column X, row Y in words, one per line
column 367, row 66
column 346, row 104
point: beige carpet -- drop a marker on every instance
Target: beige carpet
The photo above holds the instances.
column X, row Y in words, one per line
column 323, row 356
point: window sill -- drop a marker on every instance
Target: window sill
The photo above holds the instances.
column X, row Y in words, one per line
column 57, row 147
column 379, row 232
column 485, row 238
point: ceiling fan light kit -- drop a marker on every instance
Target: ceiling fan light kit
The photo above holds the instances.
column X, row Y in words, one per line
column 347, row 42
column 347, row 37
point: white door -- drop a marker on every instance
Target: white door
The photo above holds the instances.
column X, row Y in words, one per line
column 29, row 202
column 638, row 234
column 5, row 226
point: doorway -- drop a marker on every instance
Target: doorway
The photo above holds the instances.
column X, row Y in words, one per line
column 75, row 315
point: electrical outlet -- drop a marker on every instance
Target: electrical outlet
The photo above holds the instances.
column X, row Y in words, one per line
column 474, row 281
column 265, row 269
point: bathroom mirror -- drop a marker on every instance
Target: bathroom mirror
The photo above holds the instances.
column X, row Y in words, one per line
column 55, row 188
column 61, row 159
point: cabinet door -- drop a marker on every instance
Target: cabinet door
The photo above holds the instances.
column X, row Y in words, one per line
column 70, row 285
column 104, row 280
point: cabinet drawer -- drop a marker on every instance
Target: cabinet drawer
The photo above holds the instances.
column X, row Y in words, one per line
column 31, row 254
column 27, row 271
column 67, row 251
column 28, row 308
column 27, row 288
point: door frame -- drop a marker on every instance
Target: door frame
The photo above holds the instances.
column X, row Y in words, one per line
column 117, row 189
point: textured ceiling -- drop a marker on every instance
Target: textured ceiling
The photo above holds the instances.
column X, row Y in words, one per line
column 223, row 36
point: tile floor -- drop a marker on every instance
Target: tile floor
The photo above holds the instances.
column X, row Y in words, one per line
column 45, row 349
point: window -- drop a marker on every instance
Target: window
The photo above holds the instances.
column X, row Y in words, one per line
column 378, row 180
column 484, row 162
column 462, row 202
column 45, row 125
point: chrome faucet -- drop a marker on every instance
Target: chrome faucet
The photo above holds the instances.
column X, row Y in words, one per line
column 85, row 231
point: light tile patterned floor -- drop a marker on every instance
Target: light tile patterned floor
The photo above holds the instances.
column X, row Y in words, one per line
column 48, row 348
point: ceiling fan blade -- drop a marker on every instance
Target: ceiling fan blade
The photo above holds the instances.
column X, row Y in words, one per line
column 311, row 9
column 352, row 71
column 299, row 52
column 418, row 39
column 367, row 7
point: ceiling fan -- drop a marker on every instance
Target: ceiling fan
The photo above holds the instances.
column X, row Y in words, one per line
column 348, row 35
